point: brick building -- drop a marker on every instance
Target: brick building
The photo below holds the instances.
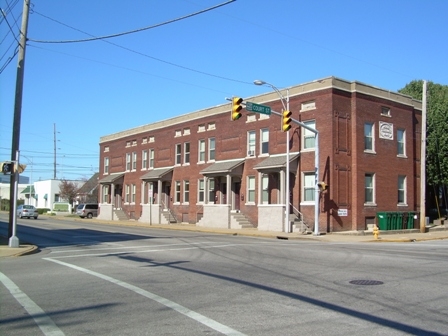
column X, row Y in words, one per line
column 206, row 169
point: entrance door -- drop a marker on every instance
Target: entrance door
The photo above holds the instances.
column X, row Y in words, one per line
column 236, row 191
column 167, row 196
column 224, row 193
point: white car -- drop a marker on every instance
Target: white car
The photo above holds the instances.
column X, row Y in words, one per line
column 27, row 211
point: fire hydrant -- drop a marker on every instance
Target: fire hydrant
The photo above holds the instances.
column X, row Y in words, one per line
column 376, row 232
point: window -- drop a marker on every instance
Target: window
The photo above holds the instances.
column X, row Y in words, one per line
column 178, row 133
column 106, row 165
column 128, row 193
column 186, row 131
column 368, row 137
column 211, row 191
column 401, row 137
column 134, row 160
column 151, row 158
column 133, row 193
column 128, row 161
column 369, row 188
column 308, row 187
column 201, row 151
column 105, row 193
column 264, row 141
column 265, row 189
column 177, row 197
column 186, row 191
column 178, row 154
column 144, row 159
column 251, row 189
column 401, row 190
column 186, row 152
column 309, row 138
column 385, row 111
column 251, row 136
column 57, row 198
column 201, row 191
column 211, row 149
column 211, row 126
column 201, row 128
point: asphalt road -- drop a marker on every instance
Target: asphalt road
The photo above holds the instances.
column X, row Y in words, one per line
column 96, row 279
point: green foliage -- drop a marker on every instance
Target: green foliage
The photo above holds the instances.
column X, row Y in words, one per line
column 61, row 207
column 436, row 131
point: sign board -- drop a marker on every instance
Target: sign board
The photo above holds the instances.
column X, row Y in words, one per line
column 263, row 109
column 342, row 212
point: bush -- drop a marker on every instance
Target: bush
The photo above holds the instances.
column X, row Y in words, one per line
column 42, row 210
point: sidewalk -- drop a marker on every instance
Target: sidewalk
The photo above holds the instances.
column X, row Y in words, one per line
column 433, row 233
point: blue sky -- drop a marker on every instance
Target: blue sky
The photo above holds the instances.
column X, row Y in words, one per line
column 90, row 89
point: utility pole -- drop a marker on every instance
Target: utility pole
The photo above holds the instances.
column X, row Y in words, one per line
column 54, row 170
column 18, row 114
column 423, row 165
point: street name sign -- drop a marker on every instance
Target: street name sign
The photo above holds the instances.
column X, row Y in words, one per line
column 263, row 109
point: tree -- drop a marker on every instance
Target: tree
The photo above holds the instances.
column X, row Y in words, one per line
column 68, row 190
column 436, row 134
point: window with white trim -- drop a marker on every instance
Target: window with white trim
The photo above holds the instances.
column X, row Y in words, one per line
column 201, row 156
column 211, row 191
column 178, row 154
column 106, row 165
column 186, row 191
column 133, row 193
column 308, row 137
column 128, row 193
column 265, row 189
column 105, row 194
column 402, row 190
column 369, row 187
column 211, row 149
column 134, row 160
column 401, row 142
column 186, row 153
column 177, row 192
column 264, row 141
column 309, row 187
column 369, row 140
column 251, row 138
column 128, row 161
column 144, row 159
column 201, row 191
column 151, row 158
column 251, row 189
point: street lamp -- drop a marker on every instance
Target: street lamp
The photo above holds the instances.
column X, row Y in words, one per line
column 285, row 108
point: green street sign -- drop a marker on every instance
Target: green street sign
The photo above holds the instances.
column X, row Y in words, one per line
column 263, row 109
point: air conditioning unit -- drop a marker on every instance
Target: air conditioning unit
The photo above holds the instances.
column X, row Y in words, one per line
column 251, row 153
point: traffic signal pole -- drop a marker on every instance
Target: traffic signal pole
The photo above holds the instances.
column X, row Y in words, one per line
column 17, row 115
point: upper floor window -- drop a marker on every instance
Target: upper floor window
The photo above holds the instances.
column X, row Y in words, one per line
column 144, row 159
column 211, row 149
column 369, row 143
column 106, row 165
column 251, row 138
column 264, row 141
column 402, row 190
column 178, row 154
column 401, row 143
column 309, row 138
column 186, row 152
column 369, row 187
column 201, row 154
column 128, row 161
column 385, row 111
column 151, row 158
column 134, row 160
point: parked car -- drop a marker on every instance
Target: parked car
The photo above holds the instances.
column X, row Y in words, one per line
column 88, row 210
column 27, row 211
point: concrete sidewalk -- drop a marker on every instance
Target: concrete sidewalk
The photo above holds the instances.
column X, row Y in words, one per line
column 433, row 233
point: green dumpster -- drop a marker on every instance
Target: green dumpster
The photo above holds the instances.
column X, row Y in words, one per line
column 382, row 220
column 392, row 220
column 399, row 223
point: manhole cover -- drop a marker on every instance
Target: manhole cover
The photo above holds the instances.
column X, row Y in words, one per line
column 366, row 282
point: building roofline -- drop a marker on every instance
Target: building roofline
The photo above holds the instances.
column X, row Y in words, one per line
column 297, row 90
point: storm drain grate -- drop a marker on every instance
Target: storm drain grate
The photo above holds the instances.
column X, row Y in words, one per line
column 366, row 282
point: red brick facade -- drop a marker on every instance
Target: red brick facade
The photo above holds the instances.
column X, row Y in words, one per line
column 340, row 111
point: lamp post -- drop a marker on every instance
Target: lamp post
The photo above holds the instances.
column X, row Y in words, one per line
column 285, row 104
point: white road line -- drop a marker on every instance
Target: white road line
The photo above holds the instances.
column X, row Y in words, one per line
column 43, row 321
column 167, row 303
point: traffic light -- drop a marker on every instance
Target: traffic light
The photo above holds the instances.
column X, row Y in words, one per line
column 322, row 186
column 236, row 108
column 286, row 121
column 7, row 167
